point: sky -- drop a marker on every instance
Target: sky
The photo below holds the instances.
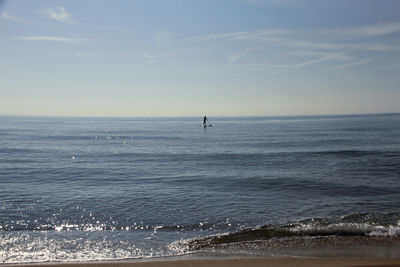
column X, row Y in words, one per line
column 139, row 58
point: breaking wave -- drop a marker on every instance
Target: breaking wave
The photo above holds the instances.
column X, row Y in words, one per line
column 304, row 229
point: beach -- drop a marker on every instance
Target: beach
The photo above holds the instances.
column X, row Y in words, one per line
column 271, row 262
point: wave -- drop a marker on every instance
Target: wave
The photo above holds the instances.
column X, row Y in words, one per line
column 304, row 229
column 69, row 241
column 357, row 224
column 327, row 152
column 273, row 158
column 11, row 150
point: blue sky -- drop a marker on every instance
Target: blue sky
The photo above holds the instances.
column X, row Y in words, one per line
column 190, row 58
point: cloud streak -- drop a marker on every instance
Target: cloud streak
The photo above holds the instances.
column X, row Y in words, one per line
column 266, row 34
column 59, row 14
column 9, row 17
column 51, row 39
column 367, row 31
column 372, row 46
column 235, row 58
column 238, row 35
column 342, row 47
column 352, row 64
column 110, row 28
column 299, row 42
column 271, row 67
column 335, row 39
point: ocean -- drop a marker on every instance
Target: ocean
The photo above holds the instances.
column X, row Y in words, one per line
column 101, row 189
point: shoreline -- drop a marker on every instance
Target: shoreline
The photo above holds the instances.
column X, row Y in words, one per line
column 227, row 262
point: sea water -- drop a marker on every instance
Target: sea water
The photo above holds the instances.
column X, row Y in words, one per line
column 88, row 189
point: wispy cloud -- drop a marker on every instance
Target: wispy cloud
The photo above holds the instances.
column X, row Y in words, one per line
column 274, row 68
column 209, row 37
column 386, row 67
column 325, row 39
column 13, row 18
column 340, row 56
column 10, row 17
column 352, row 64
column 59, row 14
column 51, row 39
column 367, row 31
column 337, row 49
column 312, row 62
column 339, row 46
column 110, row 28
column 235, row 58
column 238, row 35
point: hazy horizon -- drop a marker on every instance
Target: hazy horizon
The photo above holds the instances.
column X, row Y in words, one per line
column 195, row 58
column 209, row 116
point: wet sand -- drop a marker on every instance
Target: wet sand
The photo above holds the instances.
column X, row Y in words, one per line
column 273, row 262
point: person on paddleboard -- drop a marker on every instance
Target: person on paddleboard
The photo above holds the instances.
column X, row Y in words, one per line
column 205, row 120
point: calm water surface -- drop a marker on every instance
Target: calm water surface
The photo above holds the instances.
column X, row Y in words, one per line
column 83, row 189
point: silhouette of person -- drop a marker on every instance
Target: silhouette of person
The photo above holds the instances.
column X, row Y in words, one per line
column 205, row 120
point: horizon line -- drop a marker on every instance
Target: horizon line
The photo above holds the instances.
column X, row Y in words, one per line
column 200, row 116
